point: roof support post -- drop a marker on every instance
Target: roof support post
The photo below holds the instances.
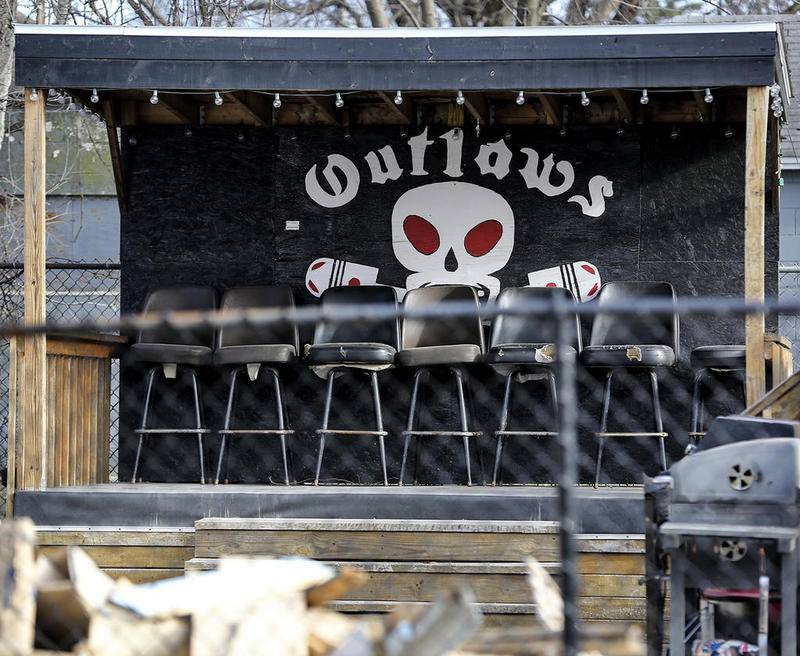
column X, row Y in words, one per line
column 755, row 162
column 30, row 457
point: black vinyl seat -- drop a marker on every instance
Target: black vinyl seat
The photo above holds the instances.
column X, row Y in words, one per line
column 527, row 344
column 725, row 359
column 248, row 348
column 634, row 343
column 167, row 348
column 362, row 346
column 449, row 342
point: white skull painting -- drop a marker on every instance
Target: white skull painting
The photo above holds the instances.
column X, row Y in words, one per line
column 453, row 233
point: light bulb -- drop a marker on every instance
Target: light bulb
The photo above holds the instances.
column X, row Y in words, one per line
column 674, row 133
column 708, row 97
column 277, row 102
column 507, row 135
column 775, row 90
column 154, row 97
column 521, row 98
column 187, row 131
column 339, row 102
column 132, row 140
column 218, row 99
column 459, row 98
column 95, row 98
column 620, row 131
column 777, row 113
column 240, row 136
column 728, row 132
column 562, row 132
column 585, row 99
column 398, row 98
column 34, row 95
column 477, row 129
column 645, row 98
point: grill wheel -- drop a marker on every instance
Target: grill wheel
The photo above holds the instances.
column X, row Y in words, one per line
column 732, row 550
column 740, row 477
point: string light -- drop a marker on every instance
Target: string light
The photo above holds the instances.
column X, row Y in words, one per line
column 645, row 98
column 585, row 99
column 620, row 131
column 277, row 102
column 477, row 129
column 521, row 98
column 398, row 98
column 240, row 136
column 459, row 98
column 708, row 97
column 187, row 131
column 728, row 132
column 562, row 132
column 154, row 97
column 218, row 99
column 339, row 102
column 34, row 95
column 507, row 135
column 95, row 98
column 674, row 133
column 132, row 141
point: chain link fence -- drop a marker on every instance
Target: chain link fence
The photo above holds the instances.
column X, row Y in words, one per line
column 789, row 288
column 76, row 292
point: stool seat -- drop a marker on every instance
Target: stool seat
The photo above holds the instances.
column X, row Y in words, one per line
column 541, row 355
column 187, row 354
column 721, row 356
column 430, row 356
column 350, row 353
column 254, row 353
column 628, row 355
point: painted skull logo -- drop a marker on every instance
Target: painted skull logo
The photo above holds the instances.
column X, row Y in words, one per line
column 453, row 233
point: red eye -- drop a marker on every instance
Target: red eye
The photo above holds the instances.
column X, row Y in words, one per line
column 483, row 237
column 421, row 234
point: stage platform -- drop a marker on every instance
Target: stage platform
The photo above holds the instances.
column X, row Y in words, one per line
column 602, row 510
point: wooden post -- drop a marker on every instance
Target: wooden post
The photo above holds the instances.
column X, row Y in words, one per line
column 33, row 388
column 755, row 156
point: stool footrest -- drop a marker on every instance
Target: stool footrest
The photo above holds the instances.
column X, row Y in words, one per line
column 631, row 434
column 165, row 431
column 526, row 433
column 417, row 433
column 338, row 431
column 697, row 433
column 256, row 431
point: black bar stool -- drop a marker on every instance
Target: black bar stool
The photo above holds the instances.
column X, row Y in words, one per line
column 249, row 349
column 442, row 342
column 523, row 345
column 706, row 361
column 170, row 349
column 632, row 343
column 361, row 346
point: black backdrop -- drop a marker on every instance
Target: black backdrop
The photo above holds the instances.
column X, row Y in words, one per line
column 211, row 207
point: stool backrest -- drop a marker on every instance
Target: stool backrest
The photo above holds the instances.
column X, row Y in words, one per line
column 177, row 299
column 532, row 328
column 650, row 328
column 381, row 331
column 276, row 297
column 444, row 330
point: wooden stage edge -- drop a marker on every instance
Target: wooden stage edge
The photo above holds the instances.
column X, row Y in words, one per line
column 603, row 510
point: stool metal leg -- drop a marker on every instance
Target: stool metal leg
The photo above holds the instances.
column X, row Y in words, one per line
column 226, row 425
column 462, row 409
column 697, row 390
column 199, row 419
column 286, row 423
column 498, row 453
column 410, row 424
column 601, row 441
column 281, row 424
column 470, row 415
column 325, row 417
column 657, row 415
column 150, row 376
column 376, row 399
column 551, row 377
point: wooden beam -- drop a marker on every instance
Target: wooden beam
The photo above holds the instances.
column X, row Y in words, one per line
column 116, row 155
column 755, row 159
column 404, row 113
column 551, row 106
column 257, row 106
column 181, row 108
column 33, row 388
column 703, row 108
column 625, row 104
column 325, row 107
column 478, row 106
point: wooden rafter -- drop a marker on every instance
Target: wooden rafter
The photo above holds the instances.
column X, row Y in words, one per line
column 325, row 107
column 404, row 112
column 703, row 108
column 551, row 106
column 179, row 106
column 625, row 104
column 478, row 106
column 256, row 106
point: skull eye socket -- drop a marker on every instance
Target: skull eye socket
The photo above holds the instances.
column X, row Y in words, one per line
column 421, row 233
column 483, row 237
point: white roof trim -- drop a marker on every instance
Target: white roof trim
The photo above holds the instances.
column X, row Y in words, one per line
column 427, row 33
column 790, row 163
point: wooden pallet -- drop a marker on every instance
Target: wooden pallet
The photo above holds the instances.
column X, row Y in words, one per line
column 412, row 562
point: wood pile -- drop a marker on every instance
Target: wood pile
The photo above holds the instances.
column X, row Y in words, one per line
column 63, row 603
